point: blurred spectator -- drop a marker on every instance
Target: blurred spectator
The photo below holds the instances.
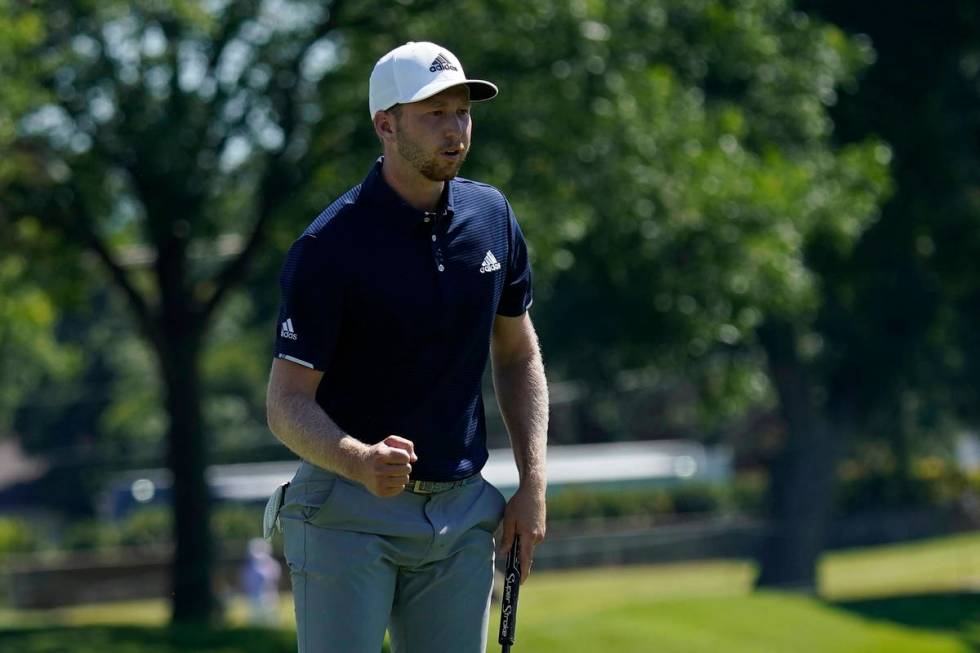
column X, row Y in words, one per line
column 260, row 581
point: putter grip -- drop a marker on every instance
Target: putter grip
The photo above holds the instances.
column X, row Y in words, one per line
column 508, row 603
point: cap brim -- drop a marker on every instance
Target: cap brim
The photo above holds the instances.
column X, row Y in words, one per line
column 480, row 89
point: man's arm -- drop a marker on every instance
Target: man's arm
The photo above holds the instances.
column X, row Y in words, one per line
column 300, row 423
column 522, row 394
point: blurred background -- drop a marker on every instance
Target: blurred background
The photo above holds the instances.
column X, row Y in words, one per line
column 755, row 229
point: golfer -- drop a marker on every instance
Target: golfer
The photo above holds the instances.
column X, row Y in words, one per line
column 392, row 301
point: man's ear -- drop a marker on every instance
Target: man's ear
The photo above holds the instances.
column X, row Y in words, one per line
column 384, row 125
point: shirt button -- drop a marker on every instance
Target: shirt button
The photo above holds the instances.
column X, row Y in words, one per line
column 433, row 238
column 442, row 268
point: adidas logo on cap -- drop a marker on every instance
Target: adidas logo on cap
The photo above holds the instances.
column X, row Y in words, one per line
column 442, row 63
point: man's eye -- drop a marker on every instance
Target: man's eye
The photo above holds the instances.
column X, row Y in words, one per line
column 464, row 112
column 437, row 112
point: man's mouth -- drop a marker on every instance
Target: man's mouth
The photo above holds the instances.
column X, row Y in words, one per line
column 452, row 152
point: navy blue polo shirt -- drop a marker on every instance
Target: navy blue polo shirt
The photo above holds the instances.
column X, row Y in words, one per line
column 396, row 306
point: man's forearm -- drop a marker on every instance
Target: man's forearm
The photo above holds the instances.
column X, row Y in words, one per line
column 522, row 394
column 302, row 425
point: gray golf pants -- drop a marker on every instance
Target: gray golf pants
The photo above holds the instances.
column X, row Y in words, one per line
column 419, row 565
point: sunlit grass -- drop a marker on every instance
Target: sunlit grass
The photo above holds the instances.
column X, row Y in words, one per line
column 931, row 565
column 676, row 608
column 769, row 622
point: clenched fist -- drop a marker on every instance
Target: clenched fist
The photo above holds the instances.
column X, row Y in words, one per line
column 384, row 467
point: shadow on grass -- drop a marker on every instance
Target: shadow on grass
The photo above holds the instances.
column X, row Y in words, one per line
column 136, row 639
column 139, row 639
column 956, row 612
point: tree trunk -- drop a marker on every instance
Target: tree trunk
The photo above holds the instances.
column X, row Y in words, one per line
column 802, row 477
column 901, row 439
column 193, row 594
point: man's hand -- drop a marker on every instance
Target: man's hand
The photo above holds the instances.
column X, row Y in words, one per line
column 384, row 467
column 524, row 516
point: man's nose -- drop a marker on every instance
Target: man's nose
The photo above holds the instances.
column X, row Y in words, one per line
column 456, row 126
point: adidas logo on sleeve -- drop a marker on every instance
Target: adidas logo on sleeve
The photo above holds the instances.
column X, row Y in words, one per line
column 287, row 330
column 490, row 263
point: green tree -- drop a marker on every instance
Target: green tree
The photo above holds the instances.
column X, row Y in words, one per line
column 170, row 137
column 674, row 165
column 896, row 367
column 28, row 314
column 912, row 281
column 670, row 160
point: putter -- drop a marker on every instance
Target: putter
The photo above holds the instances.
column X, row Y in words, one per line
column 508, row 603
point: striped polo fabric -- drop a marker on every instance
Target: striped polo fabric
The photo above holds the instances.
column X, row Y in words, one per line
column 396, row 306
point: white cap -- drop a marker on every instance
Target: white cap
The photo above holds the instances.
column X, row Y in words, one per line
column 416, row 71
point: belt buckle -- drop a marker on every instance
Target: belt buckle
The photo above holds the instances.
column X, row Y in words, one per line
column 419, row 487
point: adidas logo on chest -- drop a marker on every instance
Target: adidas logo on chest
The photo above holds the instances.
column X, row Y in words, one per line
column 490, row 263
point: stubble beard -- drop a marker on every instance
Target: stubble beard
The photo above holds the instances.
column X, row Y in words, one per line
column 428, row 165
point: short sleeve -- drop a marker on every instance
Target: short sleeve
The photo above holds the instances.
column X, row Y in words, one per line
column 517, row 295
column 310, row 306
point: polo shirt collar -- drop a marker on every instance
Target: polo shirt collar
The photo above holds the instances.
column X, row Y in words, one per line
column 377, row 191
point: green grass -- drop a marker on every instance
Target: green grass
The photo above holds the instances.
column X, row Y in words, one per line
column 942, row 564
column 143, row 639
column 651, row 609
column 916, row 598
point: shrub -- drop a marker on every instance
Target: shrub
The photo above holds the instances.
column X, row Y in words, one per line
column 151, row 526
column 608, row 503
column 699, row 498
column 16, row 537
column 933, row 482
column 232, row 522
column 748, row 492
column 90, row 534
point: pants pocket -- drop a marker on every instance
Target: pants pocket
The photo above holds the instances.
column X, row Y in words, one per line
column 492, row 504
column 304, row 500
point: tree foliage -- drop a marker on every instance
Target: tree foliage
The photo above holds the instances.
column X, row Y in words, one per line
column 169, row 136
column 906, row 349
column 29, row 348
column 670, row 162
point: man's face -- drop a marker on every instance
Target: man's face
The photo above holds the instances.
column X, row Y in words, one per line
column 433, row 135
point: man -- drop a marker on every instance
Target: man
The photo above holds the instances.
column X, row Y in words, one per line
column 391, row 302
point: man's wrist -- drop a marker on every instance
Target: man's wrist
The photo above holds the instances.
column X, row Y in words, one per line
column 534, row 479
column 351, row 454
